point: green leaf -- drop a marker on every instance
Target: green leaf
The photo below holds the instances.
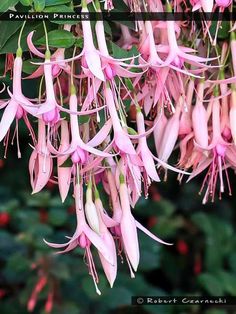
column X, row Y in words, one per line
column 61, row 271
column 79, row 42
column 58, row 39
column 216, row 311
column 39, row 200
column 131, row 131
column 26, row 3
column 65, row 308
column 120, row 53
column 28, row 67
column 58, row 9
column 129, row 84
column 203, row 222
column 223, row 32
column 83, row 119
column 6, row 4
column 229, row 282
column 56, row 2
column 232, row 262
column 39, row 5
column 18, row 263
column 211, row 284
column 118, row 297
column 213, row 255
column 8, row 28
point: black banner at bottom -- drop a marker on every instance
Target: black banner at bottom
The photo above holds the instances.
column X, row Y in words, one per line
column 184, row 300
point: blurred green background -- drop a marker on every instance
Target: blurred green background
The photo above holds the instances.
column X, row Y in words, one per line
column 202, row 261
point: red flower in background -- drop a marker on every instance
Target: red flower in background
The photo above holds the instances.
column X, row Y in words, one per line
column 4, row 219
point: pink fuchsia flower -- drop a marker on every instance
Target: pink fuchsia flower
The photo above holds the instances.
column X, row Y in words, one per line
column 177, row 56
column 40, row 163
column 77, row 149
column 58, row 55
column 91, row 62
column 49, row 110
column 110, row 65
column 218, row 158
column 109, row 269
column 121, row 137
column 84, row 236
column 128, row 228
column 18, row 104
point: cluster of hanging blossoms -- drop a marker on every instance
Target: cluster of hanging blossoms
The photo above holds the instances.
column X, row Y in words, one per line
column 95, row 114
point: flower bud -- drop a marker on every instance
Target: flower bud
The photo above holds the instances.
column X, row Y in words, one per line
column 90, row 211
column 51, row 116
column 82, row 241
column 79, row 156
column 19, row 112
column 55, row 70
column 220, row 149
column 109, row 72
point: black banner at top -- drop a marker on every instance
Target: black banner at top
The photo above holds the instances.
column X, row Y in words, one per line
column 120, row 16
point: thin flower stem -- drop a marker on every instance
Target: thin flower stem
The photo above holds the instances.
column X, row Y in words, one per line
column 20, row 35
column 46, row 35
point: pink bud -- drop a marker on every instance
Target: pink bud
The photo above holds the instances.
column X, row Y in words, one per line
column 55, row 70
column 109, row 72
column 82, row 241
column 117, row 231
column 79, row 156
column 51, row 116
column 220, row 149
column 19, row 112
column 84, row 63
column 178, row 62
column 75, row 157
column 193, row 2
column 227, row 133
